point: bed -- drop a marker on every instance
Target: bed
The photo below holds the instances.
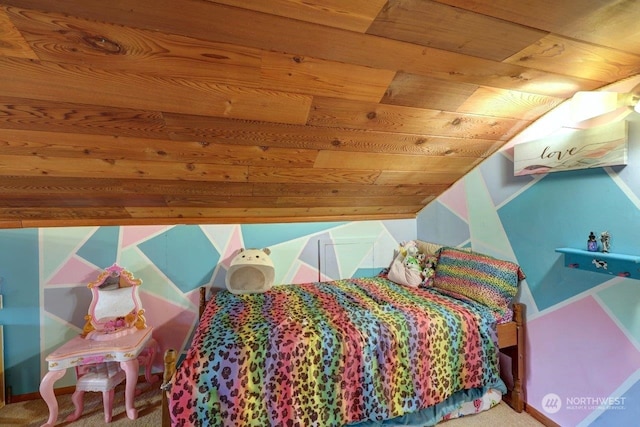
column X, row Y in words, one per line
column 359, row 352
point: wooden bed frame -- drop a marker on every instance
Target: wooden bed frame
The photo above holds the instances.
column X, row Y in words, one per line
column 510, row 340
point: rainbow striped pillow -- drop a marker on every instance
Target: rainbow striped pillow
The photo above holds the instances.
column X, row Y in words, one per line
column 487, row 280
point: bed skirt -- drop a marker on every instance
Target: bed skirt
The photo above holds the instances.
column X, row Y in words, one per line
column 460, row 404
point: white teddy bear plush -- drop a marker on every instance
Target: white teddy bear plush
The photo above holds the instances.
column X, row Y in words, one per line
column 251, row 271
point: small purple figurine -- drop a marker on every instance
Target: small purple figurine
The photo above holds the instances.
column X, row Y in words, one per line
column 592, row 244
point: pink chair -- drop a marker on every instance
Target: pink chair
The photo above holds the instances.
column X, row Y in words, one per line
column 105, row 377
column 102, row 377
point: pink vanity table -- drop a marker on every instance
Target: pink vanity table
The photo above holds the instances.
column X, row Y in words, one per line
column 80, row 351
column 116, row 331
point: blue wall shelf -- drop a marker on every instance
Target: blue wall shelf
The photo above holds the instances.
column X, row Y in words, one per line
column 602, row 262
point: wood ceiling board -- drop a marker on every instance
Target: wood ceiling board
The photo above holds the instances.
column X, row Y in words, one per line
column 345, row 190
column 8, row 224
column 57, row 215
column 50, row 81
column 513, row 104
column 237, row 26
column 338, row 201
column 77, row 217
column 81, row 200
column 390, row 118
column 312, row 76
column 96, row 168
column 63, row 186
column 444, row 146
column 206, row 102
column 390, row 177
column 81, row 146
column 15, row 185
column 197, row 18
column 43, row 115
column 520, row 78
column 120, row 48
column 221, row 202
column 455, row 29
column 558, row 54
column 234, row 215
column 63, row 38
column 413, row 90
column 354, row 15
column 610, row 23
column 397, row 162
column 210, row 129
column 305, row 175
column 181, row 187
column 13, row 43
column 452, row 66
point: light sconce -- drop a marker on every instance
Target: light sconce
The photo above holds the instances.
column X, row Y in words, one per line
column 593, row 108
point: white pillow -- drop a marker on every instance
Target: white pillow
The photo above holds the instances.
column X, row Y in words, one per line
column 428, row 248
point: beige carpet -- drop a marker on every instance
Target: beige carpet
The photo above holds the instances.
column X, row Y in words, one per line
column 34, row 413
column 500, row 416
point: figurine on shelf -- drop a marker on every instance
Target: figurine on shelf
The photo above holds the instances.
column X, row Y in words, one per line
column 592, row 244
column 605, row 238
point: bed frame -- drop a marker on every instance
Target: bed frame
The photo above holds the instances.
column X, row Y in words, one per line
column 510, row 340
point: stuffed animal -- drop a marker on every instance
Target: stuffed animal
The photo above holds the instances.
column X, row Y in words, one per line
column 429, row 270
column 409, row 254
column 251, row 271
column 412, row 263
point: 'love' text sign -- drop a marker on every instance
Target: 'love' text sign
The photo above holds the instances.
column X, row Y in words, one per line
column 577, row 149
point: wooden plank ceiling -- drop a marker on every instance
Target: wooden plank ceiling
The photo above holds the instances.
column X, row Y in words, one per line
column 193, row 111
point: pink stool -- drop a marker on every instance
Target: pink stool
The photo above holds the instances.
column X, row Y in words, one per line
column 105, row 377
column 102, row 377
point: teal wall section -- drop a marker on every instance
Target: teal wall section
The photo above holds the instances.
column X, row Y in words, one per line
column 19, row 285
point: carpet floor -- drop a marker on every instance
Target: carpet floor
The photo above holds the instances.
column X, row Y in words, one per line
column 34, row 413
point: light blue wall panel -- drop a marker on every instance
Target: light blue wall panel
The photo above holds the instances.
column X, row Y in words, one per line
column 184, row 254
column 19, row 276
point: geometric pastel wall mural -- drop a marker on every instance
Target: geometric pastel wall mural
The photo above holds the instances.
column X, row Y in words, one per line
column 172, row 262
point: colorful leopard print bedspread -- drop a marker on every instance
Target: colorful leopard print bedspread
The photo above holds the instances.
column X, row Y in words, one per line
column 329, row 354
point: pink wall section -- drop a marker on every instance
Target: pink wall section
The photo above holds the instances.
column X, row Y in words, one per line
column 570, row 349
column 172, row 324
column 75, row 270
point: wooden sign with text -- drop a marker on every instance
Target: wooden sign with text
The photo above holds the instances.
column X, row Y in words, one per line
column 577, row 149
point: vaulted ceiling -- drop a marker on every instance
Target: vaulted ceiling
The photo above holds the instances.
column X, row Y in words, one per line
column 194, row 111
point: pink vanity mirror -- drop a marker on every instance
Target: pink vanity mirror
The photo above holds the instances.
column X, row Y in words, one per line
column 115, row 308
